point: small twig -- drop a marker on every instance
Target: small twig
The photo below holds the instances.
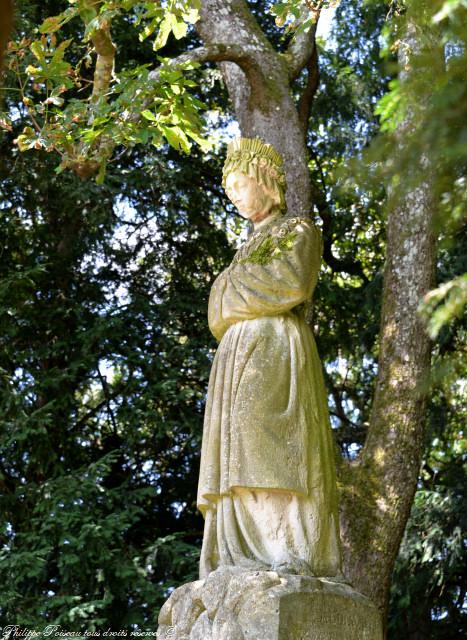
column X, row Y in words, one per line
column 352, row 267
column 105, row 389
column 30, row 114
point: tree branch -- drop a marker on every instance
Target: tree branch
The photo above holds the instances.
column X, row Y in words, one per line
column 306, row 99
column 352, row 267
column 86, row 166
column 301, row 46
column 94, row 410
column 243, row 55
column 105, row 390
column 105, row 50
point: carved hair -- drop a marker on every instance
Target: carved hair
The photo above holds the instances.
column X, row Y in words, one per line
column 260, row 161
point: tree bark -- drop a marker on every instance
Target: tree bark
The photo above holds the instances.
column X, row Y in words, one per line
column 6, row 10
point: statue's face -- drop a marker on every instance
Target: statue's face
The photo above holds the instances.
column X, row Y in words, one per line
column 247, row 195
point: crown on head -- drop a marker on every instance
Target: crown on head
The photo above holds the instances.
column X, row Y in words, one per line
column 246, row 153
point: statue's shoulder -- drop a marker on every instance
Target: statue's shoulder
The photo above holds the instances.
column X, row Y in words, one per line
column 293, row 224
column 291, row 228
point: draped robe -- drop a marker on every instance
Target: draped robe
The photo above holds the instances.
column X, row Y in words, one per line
column 267, row 486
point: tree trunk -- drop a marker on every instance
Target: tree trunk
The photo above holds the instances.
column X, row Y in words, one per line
column 378, row 489
column 6, row 10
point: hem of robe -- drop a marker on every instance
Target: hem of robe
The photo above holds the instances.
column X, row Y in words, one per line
column 248, row 529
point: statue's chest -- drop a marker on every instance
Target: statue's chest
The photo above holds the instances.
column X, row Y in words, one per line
column 249, row 247
column 266, row 245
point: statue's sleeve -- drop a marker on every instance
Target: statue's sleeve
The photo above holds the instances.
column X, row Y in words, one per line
column 275, row 277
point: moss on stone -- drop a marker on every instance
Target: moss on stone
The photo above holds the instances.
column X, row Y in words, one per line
column 270, row 248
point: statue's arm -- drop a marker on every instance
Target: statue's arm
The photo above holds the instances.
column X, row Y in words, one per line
column 278, row 276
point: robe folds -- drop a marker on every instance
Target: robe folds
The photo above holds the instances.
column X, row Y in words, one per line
column 267, row 486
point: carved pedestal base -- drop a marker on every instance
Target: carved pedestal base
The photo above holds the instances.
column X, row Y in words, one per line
column 237, row 604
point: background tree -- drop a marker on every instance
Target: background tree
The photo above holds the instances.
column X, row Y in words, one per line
column 105, row 363
column 6, row 8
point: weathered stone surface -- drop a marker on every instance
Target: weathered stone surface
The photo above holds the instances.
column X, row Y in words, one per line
column 234, row 604
column 202, row 629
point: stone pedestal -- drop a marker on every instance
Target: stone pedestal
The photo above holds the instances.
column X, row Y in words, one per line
column 237, row 604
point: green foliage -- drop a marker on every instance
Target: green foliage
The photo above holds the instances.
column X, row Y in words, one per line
column 299, row 16
column 429, row 582
column 171, row 18
column 76, row 532
column 71, row 115
column 435, row 100
column 444, row 304
column 429, row 103
column 91, row 461
column 104, row 359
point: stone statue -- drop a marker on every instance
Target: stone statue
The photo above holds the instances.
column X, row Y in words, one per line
column 267, row 486
column 270, row 565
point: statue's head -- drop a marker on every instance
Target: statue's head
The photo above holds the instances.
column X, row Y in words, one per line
column 253, row 177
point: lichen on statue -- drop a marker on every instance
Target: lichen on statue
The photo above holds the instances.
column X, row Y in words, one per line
column 267, row 486
column 271, row 249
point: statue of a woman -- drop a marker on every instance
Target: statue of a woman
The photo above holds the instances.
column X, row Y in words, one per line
column 267, row 485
